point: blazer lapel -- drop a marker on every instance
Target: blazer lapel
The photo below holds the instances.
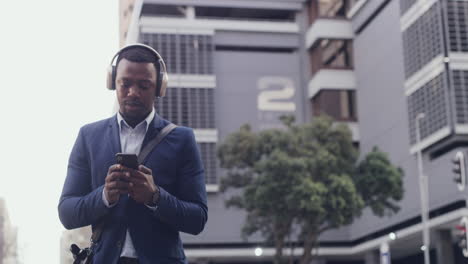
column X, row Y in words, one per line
column 153, row 129
column 114, row 135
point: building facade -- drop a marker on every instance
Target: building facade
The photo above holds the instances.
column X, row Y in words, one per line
column 376, row 65
column 126, row 8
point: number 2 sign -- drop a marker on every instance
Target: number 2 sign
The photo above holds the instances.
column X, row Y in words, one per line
column 270, row 98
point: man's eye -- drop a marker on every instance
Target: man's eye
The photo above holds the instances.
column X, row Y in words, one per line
column 125, row 84
column 145, row 85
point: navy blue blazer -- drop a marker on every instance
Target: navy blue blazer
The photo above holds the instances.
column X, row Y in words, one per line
column 177, row 170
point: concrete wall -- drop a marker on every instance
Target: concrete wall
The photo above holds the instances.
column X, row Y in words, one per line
column 381, row 102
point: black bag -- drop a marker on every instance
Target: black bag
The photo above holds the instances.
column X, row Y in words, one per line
column 85, row 256
column 82, row 256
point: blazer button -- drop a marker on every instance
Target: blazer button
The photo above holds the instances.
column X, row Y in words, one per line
column 119, row 243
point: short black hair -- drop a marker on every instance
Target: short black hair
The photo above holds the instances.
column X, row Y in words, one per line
column 139, row 54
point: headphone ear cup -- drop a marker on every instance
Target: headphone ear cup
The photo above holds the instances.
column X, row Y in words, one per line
column 163, row 87
column 111, row 77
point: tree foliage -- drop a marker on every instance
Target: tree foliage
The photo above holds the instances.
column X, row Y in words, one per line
column 307, row 177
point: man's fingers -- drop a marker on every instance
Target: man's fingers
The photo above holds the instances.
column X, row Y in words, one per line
column 118, row 175
column 123, row 185
column 119, row 185
column 145, row 170
column 137, row 175
column 113, row 176
column 115, row 167
column 111, row 185
column 112, row 192
column 138, row 181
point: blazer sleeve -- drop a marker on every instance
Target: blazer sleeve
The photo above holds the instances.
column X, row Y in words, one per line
column 79, row 205
column 188, row 212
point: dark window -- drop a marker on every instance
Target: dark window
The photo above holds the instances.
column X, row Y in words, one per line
column 163, row 10
column 333, row 8
column 336, row 53
column 339, row 104
column 331, row 54
column 244, row 13
column 329, row 9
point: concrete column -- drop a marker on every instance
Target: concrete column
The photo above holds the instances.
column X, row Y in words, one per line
column 190, row 12
column 384, row 253
column 372, row 257
column 443, row 245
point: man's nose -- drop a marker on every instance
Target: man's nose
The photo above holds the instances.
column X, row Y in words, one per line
column 133, row 90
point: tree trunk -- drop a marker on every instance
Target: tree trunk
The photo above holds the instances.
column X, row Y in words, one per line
column 309, row 243
column 291, row 248
column 279, row 245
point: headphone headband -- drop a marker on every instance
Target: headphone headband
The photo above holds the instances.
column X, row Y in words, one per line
column 162, row 77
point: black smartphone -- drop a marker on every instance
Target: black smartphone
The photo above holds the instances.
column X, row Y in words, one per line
column 127, row 160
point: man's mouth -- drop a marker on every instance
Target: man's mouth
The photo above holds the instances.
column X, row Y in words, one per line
column 133, row 104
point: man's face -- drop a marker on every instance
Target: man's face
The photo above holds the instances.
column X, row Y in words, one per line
column 136, row 88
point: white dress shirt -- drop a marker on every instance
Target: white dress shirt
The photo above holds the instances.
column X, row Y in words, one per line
column 130, row 142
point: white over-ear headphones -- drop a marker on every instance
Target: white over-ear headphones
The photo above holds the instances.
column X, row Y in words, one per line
column 162, row 78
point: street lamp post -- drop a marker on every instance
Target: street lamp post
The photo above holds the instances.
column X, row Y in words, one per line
column 424, row 191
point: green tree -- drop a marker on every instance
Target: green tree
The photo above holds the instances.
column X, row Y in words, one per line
column 304, row 178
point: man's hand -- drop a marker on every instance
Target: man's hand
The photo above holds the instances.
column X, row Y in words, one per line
column 142, row 187
column 116, row 183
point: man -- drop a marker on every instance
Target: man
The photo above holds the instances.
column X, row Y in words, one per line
column 144, row 209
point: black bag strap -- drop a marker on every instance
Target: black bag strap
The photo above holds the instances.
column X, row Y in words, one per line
column 154, row 142
column 141, row 157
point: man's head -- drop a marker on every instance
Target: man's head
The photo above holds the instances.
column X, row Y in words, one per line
column 136, row 78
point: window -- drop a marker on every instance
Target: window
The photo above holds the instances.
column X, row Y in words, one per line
column 244, row 13
column 460, row 90
column 331, row 54
column 183, row 53
column 208, row 155
column 457, row 16
column 430, row 99
column 423, row 41
column 163, row 10
column 191, row 107
column 336, row 53
column 339, row 104
column 328, row 9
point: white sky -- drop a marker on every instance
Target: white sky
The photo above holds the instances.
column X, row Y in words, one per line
column 53, row 60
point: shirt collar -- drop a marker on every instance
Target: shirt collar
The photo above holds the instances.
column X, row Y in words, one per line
column 148, row 120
